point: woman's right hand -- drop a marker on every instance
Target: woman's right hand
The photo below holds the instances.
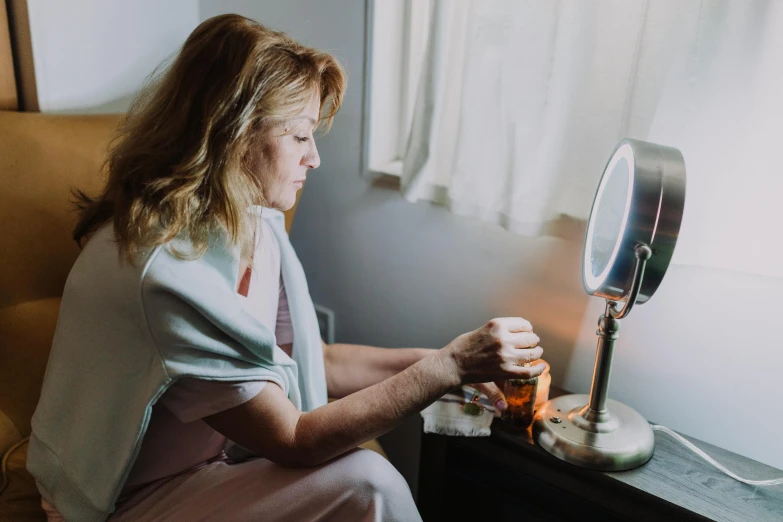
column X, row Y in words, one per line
column 496, row 351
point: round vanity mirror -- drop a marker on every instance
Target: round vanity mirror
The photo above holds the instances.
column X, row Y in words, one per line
column 629, row 243
column 639, row 201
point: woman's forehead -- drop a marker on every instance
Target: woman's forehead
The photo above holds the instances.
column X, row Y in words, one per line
column 308, row 116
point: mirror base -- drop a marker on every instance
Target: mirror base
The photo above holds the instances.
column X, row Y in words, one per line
column 615, row 440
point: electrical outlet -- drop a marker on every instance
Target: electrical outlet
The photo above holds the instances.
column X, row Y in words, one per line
column 325, row 323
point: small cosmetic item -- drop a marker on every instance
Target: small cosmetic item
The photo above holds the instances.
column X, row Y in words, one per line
column 473, row 407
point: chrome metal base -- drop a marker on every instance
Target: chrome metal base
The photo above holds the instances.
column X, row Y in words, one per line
column 616, row 439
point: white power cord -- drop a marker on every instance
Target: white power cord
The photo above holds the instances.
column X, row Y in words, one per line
column 685, row 442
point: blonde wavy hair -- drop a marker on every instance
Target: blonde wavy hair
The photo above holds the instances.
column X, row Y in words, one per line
column 179, row 162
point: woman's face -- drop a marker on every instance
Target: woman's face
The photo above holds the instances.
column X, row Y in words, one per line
column 281, row 156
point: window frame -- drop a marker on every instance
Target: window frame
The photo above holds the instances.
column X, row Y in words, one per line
column 395, row 38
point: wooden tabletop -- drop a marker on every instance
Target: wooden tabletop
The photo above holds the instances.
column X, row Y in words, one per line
column 677, row 475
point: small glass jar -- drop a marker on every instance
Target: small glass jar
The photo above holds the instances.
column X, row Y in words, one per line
column 520, row 400
column 525, row 396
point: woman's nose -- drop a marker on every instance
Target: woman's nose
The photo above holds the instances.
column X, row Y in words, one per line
column 312, row 160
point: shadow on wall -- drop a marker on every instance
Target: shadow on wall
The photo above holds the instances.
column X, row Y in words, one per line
column 536, row 278
column 551, row 296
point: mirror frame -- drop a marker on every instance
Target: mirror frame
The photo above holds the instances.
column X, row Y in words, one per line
column 654, row 210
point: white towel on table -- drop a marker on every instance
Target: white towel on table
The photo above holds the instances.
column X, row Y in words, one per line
column 447, row 415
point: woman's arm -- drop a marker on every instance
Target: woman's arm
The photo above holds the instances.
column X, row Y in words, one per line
column 354, row 367
column 271, row 426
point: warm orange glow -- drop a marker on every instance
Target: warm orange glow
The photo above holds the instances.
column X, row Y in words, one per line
column 544, row 381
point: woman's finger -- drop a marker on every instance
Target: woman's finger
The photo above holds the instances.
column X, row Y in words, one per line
column 522, row 339
column 516, row 371
column 493, row 393
column 511, row 324
column 525, row 355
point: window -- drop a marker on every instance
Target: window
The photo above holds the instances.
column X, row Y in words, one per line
column 399, row 36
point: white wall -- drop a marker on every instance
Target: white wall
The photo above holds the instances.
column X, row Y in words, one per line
column 703, row 356
column 91, row 56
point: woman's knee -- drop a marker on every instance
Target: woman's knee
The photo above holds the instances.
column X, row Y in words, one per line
column 369, row 472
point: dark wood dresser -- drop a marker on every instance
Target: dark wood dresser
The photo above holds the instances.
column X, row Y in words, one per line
column 507, row 477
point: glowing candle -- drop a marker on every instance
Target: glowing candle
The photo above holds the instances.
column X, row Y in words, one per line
column 544, row 380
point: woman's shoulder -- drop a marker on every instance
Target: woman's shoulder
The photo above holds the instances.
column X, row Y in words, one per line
column 102, row 263
column 177, row 264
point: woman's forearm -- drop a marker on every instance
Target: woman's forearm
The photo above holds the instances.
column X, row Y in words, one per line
column 272, row 426
column 353, row 367
column 337, row 427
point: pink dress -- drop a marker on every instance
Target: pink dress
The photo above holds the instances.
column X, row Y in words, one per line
column 182, row 471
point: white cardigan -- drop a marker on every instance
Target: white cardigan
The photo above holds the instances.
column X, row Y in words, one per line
column 126, row 332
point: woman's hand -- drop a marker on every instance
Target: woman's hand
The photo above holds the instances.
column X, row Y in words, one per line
column 494, row 392
column 495, row 352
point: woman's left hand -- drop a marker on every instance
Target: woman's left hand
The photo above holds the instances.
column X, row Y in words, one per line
column 494, row 392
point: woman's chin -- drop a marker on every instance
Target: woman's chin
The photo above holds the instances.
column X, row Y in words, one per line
column 284, row 204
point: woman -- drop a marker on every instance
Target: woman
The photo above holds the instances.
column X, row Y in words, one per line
column 186, row 321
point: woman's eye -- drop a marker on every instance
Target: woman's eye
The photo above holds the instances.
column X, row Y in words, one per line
column 302, row 139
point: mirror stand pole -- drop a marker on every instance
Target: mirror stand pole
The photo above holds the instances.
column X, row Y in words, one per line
column 608, row 332
column 594, row 431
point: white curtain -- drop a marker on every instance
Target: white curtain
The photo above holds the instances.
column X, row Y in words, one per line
column 521, row 102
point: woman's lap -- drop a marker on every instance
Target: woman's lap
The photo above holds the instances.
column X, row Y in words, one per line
column 360, row 485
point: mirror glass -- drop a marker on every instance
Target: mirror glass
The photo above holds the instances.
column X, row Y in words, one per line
column 608, row 218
